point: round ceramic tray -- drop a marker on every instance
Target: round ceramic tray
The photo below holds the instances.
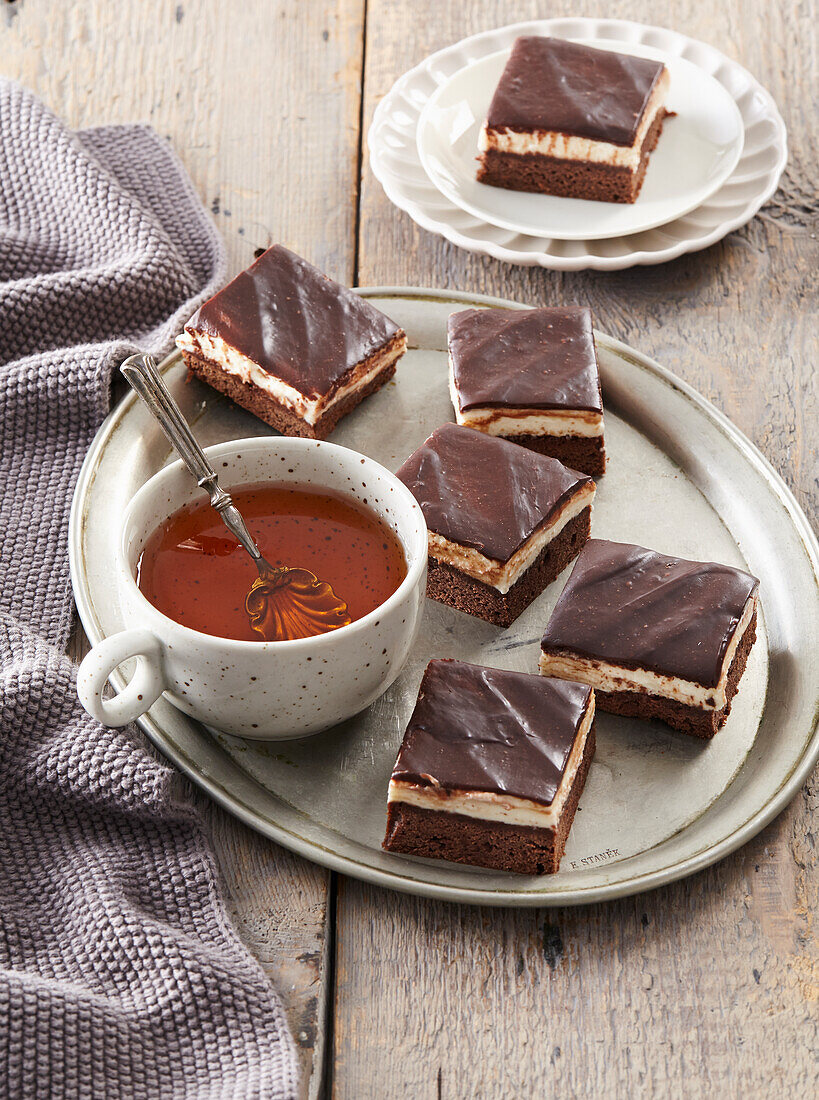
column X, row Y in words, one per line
column 396, row 162
column 657, row 805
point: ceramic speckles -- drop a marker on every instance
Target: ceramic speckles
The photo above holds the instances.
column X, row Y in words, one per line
column 270, row 690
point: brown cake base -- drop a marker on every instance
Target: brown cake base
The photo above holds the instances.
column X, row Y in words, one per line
column 436, row 834
column 275, row 414
column 688, row 719
column 579, row 452
column 569, row 178
column 449, row 585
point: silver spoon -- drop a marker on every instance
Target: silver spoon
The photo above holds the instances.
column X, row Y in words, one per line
column 284, row 603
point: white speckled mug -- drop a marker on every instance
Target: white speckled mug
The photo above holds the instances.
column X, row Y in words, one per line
column 266, row 690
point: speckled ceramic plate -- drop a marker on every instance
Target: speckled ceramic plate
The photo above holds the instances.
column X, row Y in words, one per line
column 657, row 805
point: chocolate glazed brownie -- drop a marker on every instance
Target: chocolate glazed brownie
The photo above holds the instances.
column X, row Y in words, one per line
column 531, row 377
column 567, row 119
column 503, row 521
column 567, row 178
column 290, row 345
column 657, row 637
column 491, row 768
column 278, row 416
column 449, row 585
column 523, row 849
column 688, row 719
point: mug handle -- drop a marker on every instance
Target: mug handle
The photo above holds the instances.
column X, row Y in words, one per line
column 140, row 694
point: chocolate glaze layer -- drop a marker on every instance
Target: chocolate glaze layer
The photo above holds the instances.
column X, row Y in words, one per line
column 297, row 324
column 532, row 359
column 484, row 492
column 551, row 84
column 482, row 729
column 630, row 606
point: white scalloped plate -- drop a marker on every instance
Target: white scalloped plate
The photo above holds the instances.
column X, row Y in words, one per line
column 397, row 165
column 697, row 152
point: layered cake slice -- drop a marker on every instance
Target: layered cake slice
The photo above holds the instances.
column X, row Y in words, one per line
column 571, row 120
column 530, row 376
column 503, row 521
column 656, row 637
column 291, row 345
column 491, row 768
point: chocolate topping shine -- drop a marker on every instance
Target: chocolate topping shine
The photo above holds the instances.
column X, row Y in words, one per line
column 634, row 607
column 483, row 492
column 554, row 85
column 294, row 322
column 482, row 729
column 531, row 359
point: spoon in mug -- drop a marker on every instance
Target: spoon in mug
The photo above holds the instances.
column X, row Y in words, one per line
column 283, row 603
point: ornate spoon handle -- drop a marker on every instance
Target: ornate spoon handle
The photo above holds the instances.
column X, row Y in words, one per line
column 141, row 373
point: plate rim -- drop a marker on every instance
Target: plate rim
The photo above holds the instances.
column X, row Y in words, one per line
column 587, row 261
column 722, row 177
column 313, row 851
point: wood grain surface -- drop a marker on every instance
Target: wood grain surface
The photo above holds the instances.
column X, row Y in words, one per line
column 706, row 988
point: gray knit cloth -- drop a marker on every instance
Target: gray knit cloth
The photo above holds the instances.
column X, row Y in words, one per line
column 120, row 973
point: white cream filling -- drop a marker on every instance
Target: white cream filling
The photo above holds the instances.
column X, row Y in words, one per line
column 493, row 806
column 309, row 409
column 510, row 422
column 532, row 422
column 502, row 575
column 552, row 143
column 610, row 677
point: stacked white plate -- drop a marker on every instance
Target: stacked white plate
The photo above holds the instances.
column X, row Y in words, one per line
column 718, row 160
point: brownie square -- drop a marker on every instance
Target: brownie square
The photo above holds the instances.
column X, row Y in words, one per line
column 292, row 346
column 503, row 521
column 655, row 636
column 530, row 376
column 568, row 119
column 491, row 768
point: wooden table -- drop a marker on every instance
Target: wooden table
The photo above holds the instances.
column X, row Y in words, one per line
column 707, row 988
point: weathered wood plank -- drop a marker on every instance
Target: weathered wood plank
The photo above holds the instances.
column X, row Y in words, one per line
column 259, row 99
column 709, row 987
column 261, row 102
